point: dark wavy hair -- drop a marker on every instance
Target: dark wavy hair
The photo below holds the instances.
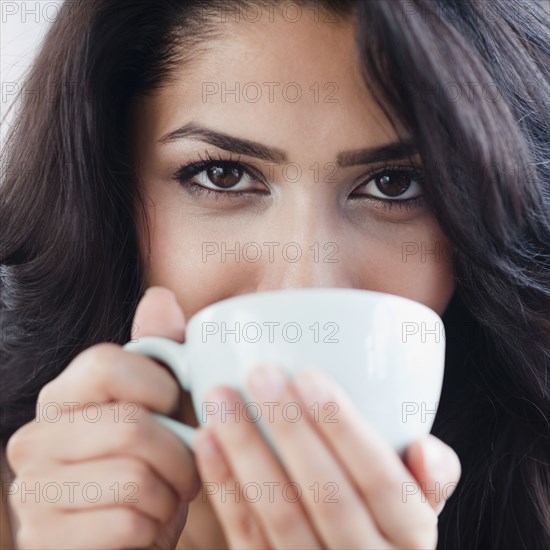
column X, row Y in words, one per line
column 468, row 80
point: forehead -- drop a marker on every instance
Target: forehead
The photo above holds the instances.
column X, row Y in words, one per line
column 276, row 81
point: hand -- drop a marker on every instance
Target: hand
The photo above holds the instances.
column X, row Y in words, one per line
column 337, row 485
column 107, row 474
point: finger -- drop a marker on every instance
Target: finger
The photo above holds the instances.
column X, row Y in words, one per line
column 334, row 506
column 80, row 439
column 106, row 372
column 120, row 528
column 392, row 494
column 240, row 526
column 159, row 314
column 436, row 468
column 283, row 519
column 107, row 482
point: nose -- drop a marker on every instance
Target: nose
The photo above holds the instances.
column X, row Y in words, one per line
column 305, row 265
column 312, row 254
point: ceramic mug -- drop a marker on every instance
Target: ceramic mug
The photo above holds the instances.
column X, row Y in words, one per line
column 387, row 353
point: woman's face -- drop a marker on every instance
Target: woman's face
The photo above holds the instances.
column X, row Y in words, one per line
column 286, row 103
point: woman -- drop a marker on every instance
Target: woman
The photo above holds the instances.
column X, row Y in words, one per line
column 407, row 139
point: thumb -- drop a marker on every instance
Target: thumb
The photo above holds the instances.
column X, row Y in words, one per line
column 159, row 314
column 436, row 468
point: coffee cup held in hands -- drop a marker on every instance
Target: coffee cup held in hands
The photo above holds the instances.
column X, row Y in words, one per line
column 385, row 351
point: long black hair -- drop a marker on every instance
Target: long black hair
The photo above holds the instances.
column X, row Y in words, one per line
column 468, row 80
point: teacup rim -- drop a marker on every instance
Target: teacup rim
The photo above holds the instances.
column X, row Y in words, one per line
column 309, row 290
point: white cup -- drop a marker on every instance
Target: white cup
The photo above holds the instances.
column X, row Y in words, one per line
column 385, row 351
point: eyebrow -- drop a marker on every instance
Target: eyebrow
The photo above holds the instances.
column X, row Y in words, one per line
column 384, row 153
column 391, row 151
column 226, row 142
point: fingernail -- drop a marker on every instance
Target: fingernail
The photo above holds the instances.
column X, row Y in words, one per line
column 312, row 386
column 435, row 458
column 206, row 446
column 158, row 288
column 267, row 382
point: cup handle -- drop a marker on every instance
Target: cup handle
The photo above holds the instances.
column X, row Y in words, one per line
column 174, row 356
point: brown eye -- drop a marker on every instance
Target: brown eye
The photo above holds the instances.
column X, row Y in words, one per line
column 225, row 176
column 394, row 184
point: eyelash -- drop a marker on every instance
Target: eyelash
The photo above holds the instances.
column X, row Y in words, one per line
column 185, row 176
column 389, row 204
